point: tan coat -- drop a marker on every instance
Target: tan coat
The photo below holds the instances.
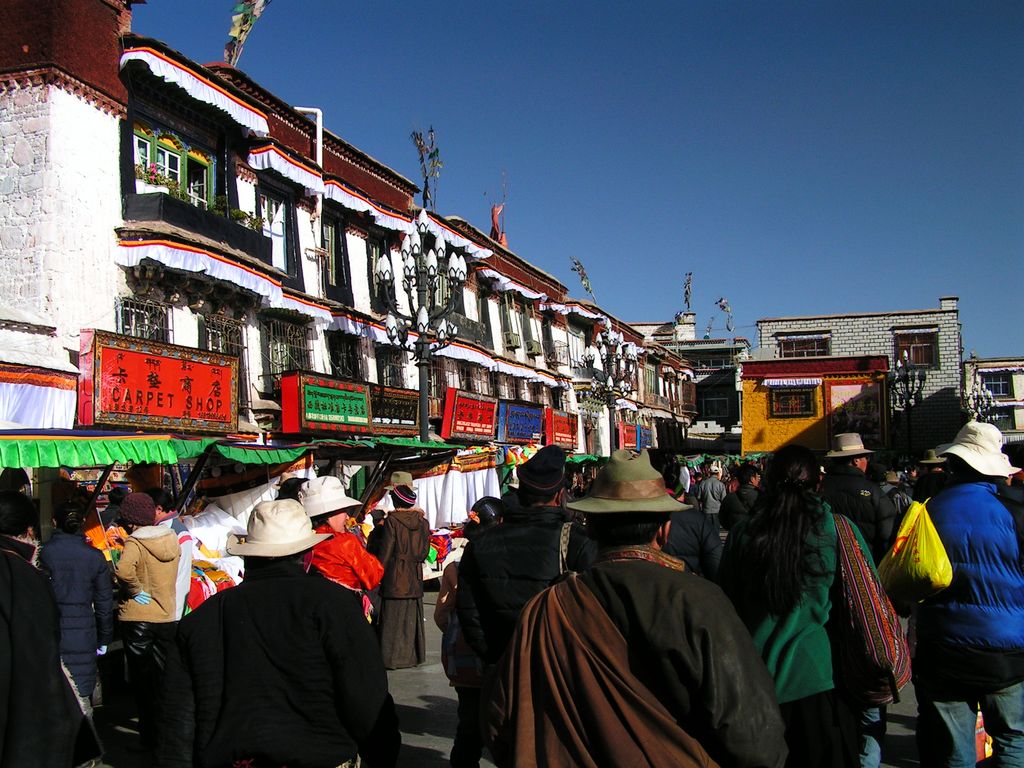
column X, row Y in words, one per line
column 149, row 563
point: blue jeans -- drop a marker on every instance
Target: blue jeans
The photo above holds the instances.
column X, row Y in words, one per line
column 871, row 729
column 945, row 728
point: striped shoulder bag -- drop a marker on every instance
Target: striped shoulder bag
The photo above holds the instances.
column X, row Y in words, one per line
column 871, row 659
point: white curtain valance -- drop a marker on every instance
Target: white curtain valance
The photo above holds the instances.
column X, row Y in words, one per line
column 782, row 383
column 474, row 251
column 271, row 158
column 625, row 405
column 354, row 201
column 503, row 283
column 1009, row 369
column 908, row 331
column 570, row 309
column 199, row 88
column 130, row 253
column 802, row 336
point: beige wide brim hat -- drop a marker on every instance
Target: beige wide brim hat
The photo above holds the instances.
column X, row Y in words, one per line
column 276, row 529
column 326, row 496
column 981, row 446
column 847, row 444
column 627, row 483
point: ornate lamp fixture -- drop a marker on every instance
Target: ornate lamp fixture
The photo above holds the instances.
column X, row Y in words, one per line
column 617, row 375
column 905, row 386
column 426, row 318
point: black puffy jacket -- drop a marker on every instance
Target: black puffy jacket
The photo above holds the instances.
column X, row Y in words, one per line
column 82, row 584
column 506, row 565
column 738, row 505
column 850, row 493
column 694, row 538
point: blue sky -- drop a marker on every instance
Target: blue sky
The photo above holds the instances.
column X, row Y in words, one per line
column 798, row 158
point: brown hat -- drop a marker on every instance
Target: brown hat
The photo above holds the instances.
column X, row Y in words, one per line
column 627, row 483
column 138, row 509
column 930, row 457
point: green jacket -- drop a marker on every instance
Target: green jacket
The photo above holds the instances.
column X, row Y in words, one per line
column 795, row 647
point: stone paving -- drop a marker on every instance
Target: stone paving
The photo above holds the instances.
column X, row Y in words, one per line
column 427, row 713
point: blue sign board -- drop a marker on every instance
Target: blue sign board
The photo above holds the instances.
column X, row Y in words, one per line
column 644, row 437
column 520, row 423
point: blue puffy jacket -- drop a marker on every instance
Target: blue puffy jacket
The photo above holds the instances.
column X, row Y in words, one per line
column 984, row 606
column 84, row 590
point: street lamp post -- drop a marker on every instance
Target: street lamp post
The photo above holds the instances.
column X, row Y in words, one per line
column 905, row 386
column 618, row 372
column 980, row 403
column 427, row 318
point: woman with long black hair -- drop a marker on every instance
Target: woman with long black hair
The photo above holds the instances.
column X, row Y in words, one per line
column 778, row 569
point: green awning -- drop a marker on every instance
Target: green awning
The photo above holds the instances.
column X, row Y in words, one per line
column 252, row 454
column 580, row 458
column 71, row 448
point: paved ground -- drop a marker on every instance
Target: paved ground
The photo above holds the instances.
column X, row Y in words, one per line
column 426, row 710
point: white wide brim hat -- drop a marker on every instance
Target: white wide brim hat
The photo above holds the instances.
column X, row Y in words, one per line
column 276, row 529
column 981, row 446
column 326, row 496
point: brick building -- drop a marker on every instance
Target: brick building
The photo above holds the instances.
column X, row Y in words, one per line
column 1003, row 378
column 925, row 339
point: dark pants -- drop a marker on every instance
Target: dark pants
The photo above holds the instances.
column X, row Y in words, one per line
column 145, row 648
column 468, row 745
column 821, row 732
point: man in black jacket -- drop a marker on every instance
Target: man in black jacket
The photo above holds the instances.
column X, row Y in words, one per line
column 849, row 492
column 506, row 565
column 280, row 670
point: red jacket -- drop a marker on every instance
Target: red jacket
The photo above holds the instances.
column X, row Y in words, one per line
column 344, row 560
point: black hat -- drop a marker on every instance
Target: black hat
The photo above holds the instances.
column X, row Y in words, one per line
column 544, row 474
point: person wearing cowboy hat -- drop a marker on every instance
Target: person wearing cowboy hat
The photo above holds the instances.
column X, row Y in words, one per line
column 634, row 661
column 401, row 545
column 342, row 558
column 848, row 491
column 506, row 565
column 932, row 476
column 280, row 670
column 970, row 636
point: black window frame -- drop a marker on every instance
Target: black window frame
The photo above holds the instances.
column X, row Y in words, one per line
column 299, row 359
column 390, row 362
column 987, row 378
column 381, row 240
column 819, row 346
column 293, row 264
column 341, row 290
column 129, row 310
column 233, row 342
column 345, row 354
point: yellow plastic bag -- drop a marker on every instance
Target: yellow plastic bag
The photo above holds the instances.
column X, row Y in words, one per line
column 917, row 565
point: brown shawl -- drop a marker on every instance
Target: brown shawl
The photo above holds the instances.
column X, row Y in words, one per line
column 563, row 694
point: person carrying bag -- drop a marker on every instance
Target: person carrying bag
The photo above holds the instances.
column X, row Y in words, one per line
column 917, row 566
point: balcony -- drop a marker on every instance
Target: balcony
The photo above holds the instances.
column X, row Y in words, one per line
column 162, row 207
column 472, row 330
column 658, row 401
column 556, row 353
column 687, row 402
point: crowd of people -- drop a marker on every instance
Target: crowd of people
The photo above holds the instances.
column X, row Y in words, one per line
column 664, row 617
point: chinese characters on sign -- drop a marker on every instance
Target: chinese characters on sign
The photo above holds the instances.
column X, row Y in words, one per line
column 855, row 406
column 395, row 411
column 519, row 423
column 319, row 403
column 644, row 438
column 470, row 417
column 134, row 382
column 561, row 428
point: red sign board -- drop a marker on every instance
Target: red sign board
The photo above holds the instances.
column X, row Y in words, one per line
column 468, row 416
column 312, row 403
column 129, row 382
column 627, row 436
column 560, row 428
